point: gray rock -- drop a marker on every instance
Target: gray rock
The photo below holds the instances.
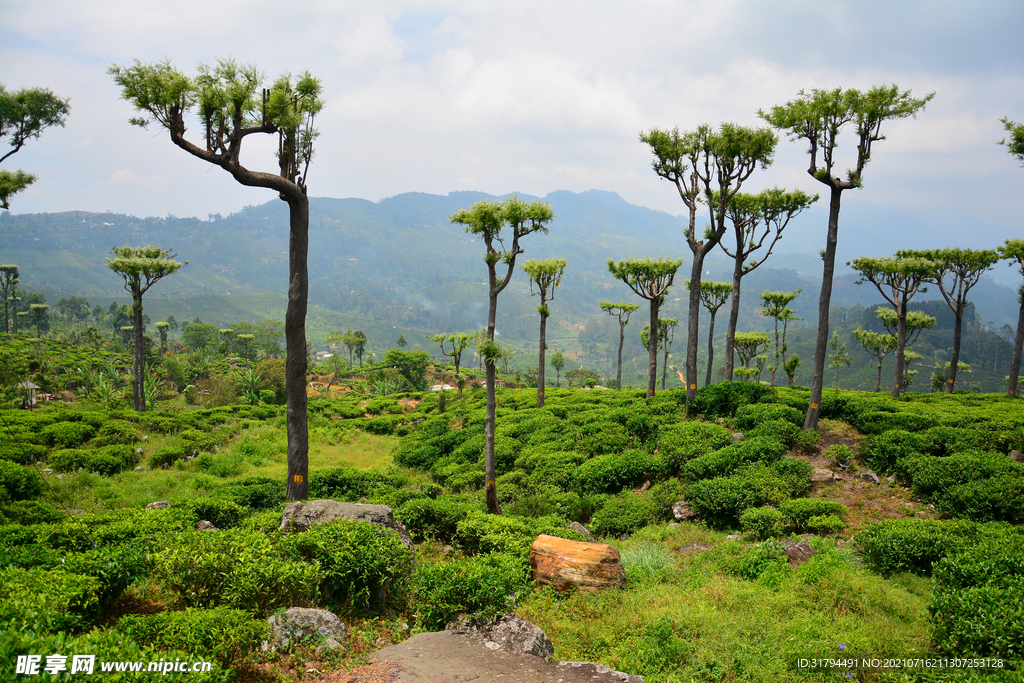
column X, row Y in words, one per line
column 733, row 537
column 159, row 505
column 595, row 669
column 694, row 548
column 890, row 479
column 1017, row 455
column 298, row 623
column 48, row 471
column 509, row 631
column 798, row 552
column 203, row 525
column 822, row 476
column 579, row 528
column 139, row 451
column 737, row 437
column 138, row 468
column 869, row 476
column 299, row 516
column 681, row 510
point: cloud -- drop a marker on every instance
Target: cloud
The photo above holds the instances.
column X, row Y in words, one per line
column 126, row 176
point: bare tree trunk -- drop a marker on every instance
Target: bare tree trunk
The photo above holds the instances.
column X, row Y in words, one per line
column 652, row 348
column 692, row 323
column 711, row 348
column 1018, row 344
column 734, row 313
column 878, row 384
column 901, row 342
column 540, row 366
column 490, row 473
column 824, row 300
column 618, row 373
column 951, row 382
column 138, row 355
column 295, row 341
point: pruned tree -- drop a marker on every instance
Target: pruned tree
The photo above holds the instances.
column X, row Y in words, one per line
column 775, row 305
column 232, row 104
column 39, row 311
column 141, row 268
column 1015, row 144
column 359, row 344
column 713, row 295
column 897, row 280
column 878, row 345
column 710, row 167
column 487, row 220
column 839, row 357
column 9, row 275
column 401, row 341
column 956, row 272
column 24, row 115
column 666, row 333
column 650, row 280
column 819, row 117
column 620, row 311
column 546, row 275
column 755, row 218
column 558, row 363
column 749, row 345
column 161, row 327
column 1013, row 250
column 459, row 342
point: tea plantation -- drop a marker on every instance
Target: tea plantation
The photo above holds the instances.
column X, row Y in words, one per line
column 930, row 565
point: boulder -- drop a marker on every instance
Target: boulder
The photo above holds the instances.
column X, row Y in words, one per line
column 694, row 548
column 1017, row 455
column 299, row 516
column 509, row 632
column 593, row 670
column 327, row 646
column 681, row 510
column 571, row 564
column 869, row 476
column 798, row 552
column 580, row 529
column 822, row 476
column 159, row 505
column 298, row 623
column 204, row 525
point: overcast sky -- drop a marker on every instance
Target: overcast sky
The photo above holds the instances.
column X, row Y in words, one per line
column 530, row 96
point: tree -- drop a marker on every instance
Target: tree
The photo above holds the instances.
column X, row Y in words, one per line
column 162, row 327
column 401, row 341
column 359, row 343
column 172, row 323
column 650, row 280
column 956, row 272
column 487, row 220
column 141, row 268
column 621, row 311
column 666, row 332
column 232, row 104
column 479, row 342
column 711, row 167
column 775, row 305
column 878, row 345
column 819, row 117
column 459, row 343
column 9, row 275
column 754, row 218
column 558, row 363
column 1013, row 250
column 713, row 295
column 546, row 275
column 24, row 115
column 1016, row 144
column 749, row 345
column 39, row 311
column 839, row 357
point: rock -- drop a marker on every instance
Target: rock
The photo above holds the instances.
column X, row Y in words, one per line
column 203, row 525
column 592, row 669
column 159, row 505
column 737, row 437
column 76, row 511
column 1017, row 455
column 299, row 516
column 301, row 622
column 509, row 632
column 733, row 537
column 869, row 476
column 798, row 552
column 139, row 451
column 138, row 468
column 681, row 510
column 60, row 476
column 566, row 564
column 890, row 479
column 822, row 476
column 580, row 529
column 694, row 548
column 48, row 471
column 329, row 645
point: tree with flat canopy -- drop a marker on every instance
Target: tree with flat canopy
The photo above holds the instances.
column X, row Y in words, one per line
column 666, row 334
column 650, row 280
column 545, row 275
column 231, row 104
column 141, row 268
column 755, row 218
column 620, row 311
column 775, row 305
column 558, row 363
column 24, row 115
column 897, row 280
column 956, row 272
column 819, row 117
column 748, row 346
column 162, row 327
column 706, row 166
column 917, row 322
column 878, row 345
column 459, row 342
column 1013, row 250
column 9, row 275
column 487, row 220
column 713, row 296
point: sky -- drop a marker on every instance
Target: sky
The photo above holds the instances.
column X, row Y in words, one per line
column 534, row 97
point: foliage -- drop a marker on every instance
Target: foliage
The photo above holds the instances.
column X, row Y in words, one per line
column 24, row 115
column 223, row 633
column 678, row 443
column 54, row 600
column 18, row 482
column 486, row 585
column 725, row 398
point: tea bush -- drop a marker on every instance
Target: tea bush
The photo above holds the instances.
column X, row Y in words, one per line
column 928, row 475
column 438, row 518
column 799, row 511
column 883, row 451
column 754, row 415
column 221, row 513
column 720, row 501
column 117, row 432
column 725, row 461
column 684, row 441
column 18, row 482
column 613, row 472
column 763, row 522
column 68, row 434
column 110, row 459
column 824, row 525
column 943, row 441
column 725, row 398
column 999, row 498
column 116, row 567
column 623, row 514
column 67, row 459
column 348, row 484
column 257, row 493
column 782, row 431
column 914, row 545
column 29, row 512
column 486, row 585
column 54, row 600
column 227, row 635
column 22, row 452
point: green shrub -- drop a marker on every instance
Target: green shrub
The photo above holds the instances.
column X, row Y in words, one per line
column 480, row 533
column 22, row 452
column 117, row 432
column 999, row 498
column 928, row 475
column 486, row 585
column 623, row 514
column 943, row 441
column 725, row 398
column 166, row 455
column 725, row 461
column 881, row 452
column 362, row 564
column 978, row 601
column 348, row 484
column 110, row 460
column 258, row 493
column 823, row 525
column 914, row 545
column 598, row 438
column 18, row 482
column 613, row 472
column 227, row 635
column 767, row 486
column 116, row 567
column 29, row 512
column 721, row 501
column 781, row 431
column 67, row 459
column 438, row 519
column 53, row 600
column 684, row 441
column 754, row 415
column 219, row 512
column 799, row 511
column 68, row 434
column 764, row 522
column 193, row 440
column 556, row 469
column 878, row 422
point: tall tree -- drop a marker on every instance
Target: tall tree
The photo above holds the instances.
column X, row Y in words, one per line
column 359, row 344
column 546, row 275
column 666, row 333
column 9, row 275
column 775, row 305
column 232, row 104
column 956, row 272
column 916, row 322
column 401, row 341
column 878, row 345
column 39, row 311
column 620, row 311
column 162, row 327
column 558, row 363
column 819, row 117
column 1014, row 251
column 24, row 115
column 650, row 280
column 748, row 346
column 707, row 166
column 141, row 268
column 897, row 280
column 1015, row 145
column 713, row 295
column 459, row 343
column 755, row 218
column 487, row 220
